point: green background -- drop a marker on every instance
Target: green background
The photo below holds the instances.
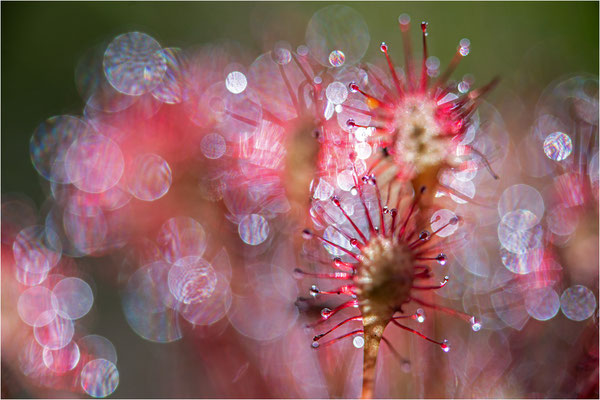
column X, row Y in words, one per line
column 528, row 44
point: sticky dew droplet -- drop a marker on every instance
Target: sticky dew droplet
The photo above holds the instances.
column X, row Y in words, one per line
column 445, row 346
column 420, row 316
column 475, row 324
column 314, row 291
column 441, row 259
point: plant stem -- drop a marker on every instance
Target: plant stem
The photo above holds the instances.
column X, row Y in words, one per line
column 372, row 334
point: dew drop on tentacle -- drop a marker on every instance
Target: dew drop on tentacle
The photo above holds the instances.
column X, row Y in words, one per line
column 441, row 259
column 445, row 346
column 420, row 316
column 464, row 47
column 404, row 20
column 314, row 291
column 475, row 324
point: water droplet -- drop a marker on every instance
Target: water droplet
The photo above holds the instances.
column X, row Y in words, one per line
column 213, row 146
column 578, row 303
column 354, row 242
column 236, row 82
column 336, row 200
column 337, row 58
column 302, row 50
column 358, row 342
column 133, row 63
column 325, row 313
column 315, row 345
column 282, row 56
column 424, row 235
column 336, row 92
column 432, row 63
column 463, row 87
column 475, row 324
column 441, row 259
column 383, row 47
column 353, row 191
column 253, row 229
column 420, row 315
column 314, row 291
column 424, row 27
column 353, row 87
column 350, row 123
column 99, row 378
column 404, row 19
column 445, row 346
column 464, row 47
column 558, row 146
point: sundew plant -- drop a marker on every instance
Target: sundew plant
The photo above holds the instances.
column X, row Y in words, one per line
column 300, row 200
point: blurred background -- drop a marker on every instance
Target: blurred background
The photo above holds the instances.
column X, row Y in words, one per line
column 528, row 44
